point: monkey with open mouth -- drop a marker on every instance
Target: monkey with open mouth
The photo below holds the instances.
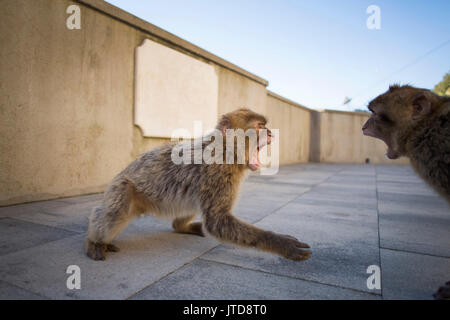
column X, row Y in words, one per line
column 154, row 184
column 415, row 123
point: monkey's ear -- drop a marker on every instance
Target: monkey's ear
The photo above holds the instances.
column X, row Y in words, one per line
column 421, row 105
column 224, row 124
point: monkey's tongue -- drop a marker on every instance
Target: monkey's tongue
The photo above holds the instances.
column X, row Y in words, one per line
column 254, row 162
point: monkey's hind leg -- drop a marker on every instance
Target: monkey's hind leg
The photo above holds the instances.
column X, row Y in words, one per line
column 184, row 225
column 106, row 222
column 103, row 227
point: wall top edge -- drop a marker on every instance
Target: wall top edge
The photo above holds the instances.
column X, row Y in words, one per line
column 286, row 100
column 367, row 114
column 147, row 27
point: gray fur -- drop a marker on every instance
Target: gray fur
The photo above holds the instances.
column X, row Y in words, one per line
column 153, row 184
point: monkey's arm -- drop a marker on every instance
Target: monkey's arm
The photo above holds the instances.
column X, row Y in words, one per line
column 224, row 226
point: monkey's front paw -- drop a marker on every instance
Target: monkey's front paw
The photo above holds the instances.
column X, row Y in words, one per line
column 95, row 251
column 443, row 292
column 293, row 249
column 112, row 248
column 196, row 228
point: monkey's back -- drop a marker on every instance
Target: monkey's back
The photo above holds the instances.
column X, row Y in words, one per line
column 171, row 189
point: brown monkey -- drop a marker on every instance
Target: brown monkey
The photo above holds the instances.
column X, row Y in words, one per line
column 153, row 183
column 415, row 123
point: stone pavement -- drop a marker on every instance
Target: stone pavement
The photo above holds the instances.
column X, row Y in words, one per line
column 353, row 216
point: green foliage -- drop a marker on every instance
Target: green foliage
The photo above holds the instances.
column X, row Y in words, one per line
column 443, row 87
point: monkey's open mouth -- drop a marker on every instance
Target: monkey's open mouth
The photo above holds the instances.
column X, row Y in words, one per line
column 254, row 162
column 391, row 154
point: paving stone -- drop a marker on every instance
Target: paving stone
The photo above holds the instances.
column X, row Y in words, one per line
column 344, row 200
column 394, row 169
column 354, row 180
column 333, row 207
column 209, row 280
column 16, row 235
column 11, row 211
column 412, row 276
column 147, row 254
column 309, row 178
column 415, row 202
column 352, row 186
column 408, row 188
column 343, row 245
column 344, row 191
column 409, row 179
column 10, row 292
column 400, row 174
column 253, row 208
column 71, row 216
column 273, row 182
column 359, row 171
column 422, row 231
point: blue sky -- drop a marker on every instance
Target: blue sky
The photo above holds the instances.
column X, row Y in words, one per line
column 315, row 52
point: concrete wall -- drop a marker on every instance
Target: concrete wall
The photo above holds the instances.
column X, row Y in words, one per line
column 66, row 100
column 339, row 139
column 293, row 121
column 173, row 91
column 67, row 97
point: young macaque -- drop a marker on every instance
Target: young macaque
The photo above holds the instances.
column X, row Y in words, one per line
column 155, row 184
column 415, row 123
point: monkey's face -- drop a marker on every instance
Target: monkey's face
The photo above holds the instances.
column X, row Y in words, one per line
column 394, row 114
column 382, row 124
column 253, row 125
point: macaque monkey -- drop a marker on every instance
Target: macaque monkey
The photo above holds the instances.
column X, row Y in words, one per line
column 154, row 184
column 415, row 123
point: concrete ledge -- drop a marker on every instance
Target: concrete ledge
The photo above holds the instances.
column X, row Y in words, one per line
column 277, row 96
column 147, row 27
column 367, row 114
